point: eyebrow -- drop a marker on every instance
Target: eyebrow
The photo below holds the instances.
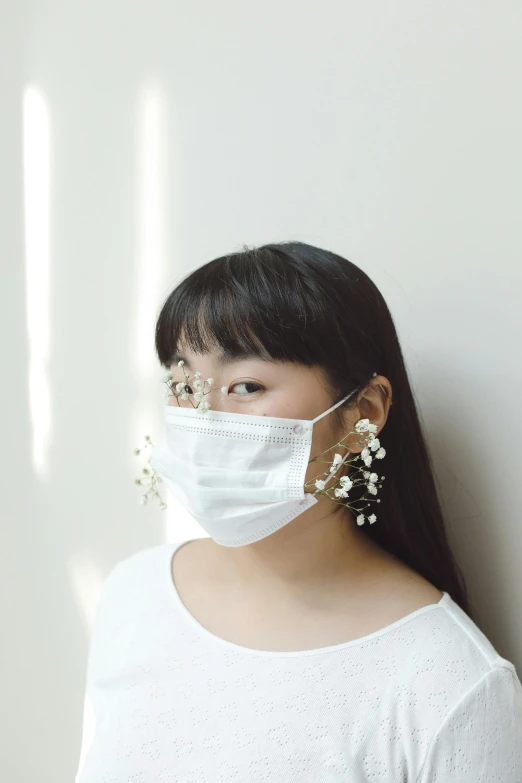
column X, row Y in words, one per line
column 223, row 359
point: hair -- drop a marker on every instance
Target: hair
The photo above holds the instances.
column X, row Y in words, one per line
column 294, row 302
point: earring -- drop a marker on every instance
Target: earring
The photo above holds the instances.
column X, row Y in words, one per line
column 358, row 476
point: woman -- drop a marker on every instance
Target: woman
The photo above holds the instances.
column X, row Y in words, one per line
column 312, row 635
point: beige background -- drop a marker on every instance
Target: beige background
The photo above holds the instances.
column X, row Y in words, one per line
column 142, row 139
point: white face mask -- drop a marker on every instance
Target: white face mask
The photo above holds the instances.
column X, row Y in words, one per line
column 240, row 476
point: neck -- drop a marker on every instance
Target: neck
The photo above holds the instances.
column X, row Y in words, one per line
column 317, row 547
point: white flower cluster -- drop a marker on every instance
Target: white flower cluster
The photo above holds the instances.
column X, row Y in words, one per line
column 345, row 483
column 149, row 478
column 179, row 390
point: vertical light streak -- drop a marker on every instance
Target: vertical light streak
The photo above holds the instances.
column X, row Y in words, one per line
column 150, row 270
column 36, row 181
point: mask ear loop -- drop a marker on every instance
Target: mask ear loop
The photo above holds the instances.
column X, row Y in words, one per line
column 329, row 411
column 325, row 413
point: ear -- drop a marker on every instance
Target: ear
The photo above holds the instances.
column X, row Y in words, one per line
column 374, row 404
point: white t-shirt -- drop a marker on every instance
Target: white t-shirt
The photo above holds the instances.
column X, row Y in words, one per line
column 426, row 699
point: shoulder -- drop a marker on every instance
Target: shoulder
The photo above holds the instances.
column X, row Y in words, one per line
column 139, row 562
column 464, row 697
column 131, row 580
column 459, row 631
column 132, row 591
column 481, row 735
column 470, row 696
column 452, row 633
column 450, row 653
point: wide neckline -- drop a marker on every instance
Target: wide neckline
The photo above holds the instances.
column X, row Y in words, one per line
column 238, row 648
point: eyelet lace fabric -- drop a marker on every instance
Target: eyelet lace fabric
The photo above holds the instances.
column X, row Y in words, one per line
column 425, row 700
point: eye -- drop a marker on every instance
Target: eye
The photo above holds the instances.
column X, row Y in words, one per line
column 256, row 387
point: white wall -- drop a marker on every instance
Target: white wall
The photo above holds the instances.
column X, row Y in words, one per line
column 142, row 139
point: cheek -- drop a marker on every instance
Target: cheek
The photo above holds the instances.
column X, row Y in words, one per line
column 324, row 439
column 322, row 451
column 324, row 447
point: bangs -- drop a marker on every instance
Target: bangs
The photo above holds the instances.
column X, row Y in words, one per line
column 257, row 304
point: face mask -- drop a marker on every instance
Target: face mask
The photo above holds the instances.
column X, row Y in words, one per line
column 240, row 476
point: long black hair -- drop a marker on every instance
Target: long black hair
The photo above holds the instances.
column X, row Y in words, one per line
column 294, row 302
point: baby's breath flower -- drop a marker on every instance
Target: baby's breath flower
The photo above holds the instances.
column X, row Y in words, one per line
column 181, row 363
column 362, row 425
column 224, row 389
column 197, row 375
column 338, row 490
column 210, row 381
column 150, row 479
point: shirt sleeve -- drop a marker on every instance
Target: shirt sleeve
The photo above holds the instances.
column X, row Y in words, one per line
column 481, row 738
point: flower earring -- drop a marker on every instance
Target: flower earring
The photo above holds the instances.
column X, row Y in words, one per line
column 357, row 477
